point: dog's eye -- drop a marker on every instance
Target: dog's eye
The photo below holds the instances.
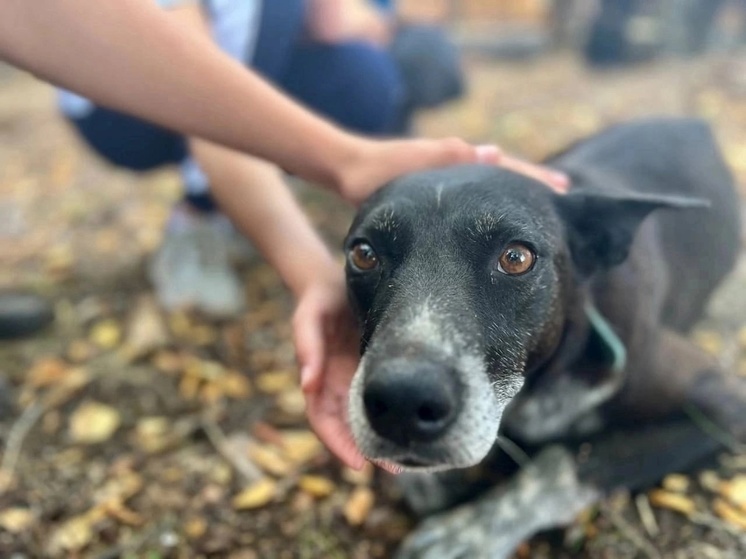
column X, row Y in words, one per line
column 363, row 257
column 516, row 259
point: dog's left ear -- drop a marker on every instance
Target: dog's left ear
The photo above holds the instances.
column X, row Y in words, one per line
column 601, row 227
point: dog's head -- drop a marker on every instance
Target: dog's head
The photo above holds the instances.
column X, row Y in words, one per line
column 461, row 280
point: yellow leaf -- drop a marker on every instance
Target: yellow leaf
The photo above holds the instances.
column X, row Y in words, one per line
column 673, row 501
column 300, row 447
column 73, row 535
column 256, row 495
column 16, row 520
column 274, row 382
column 292, row 402
column 358, row 506
column 195, row 528
column 93, row 422
column 676, row 483
column 735, row 490
column 316, row 486
column 106, row 334
column 269, row 460
column 729, row 513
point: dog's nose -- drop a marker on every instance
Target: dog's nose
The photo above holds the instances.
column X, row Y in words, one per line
column 409, row 402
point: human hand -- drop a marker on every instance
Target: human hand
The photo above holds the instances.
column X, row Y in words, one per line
column 375, row 163
column 327, row 342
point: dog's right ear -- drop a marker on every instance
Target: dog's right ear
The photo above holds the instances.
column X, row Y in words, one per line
column 601, row 226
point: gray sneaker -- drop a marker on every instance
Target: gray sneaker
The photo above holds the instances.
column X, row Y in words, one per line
column 192, row 267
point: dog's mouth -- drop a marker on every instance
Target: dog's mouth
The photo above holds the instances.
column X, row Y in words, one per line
column 409, row 463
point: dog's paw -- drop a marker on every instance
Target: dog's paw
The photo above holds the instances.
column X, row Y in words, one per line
column 545, row 494
column 454, row 535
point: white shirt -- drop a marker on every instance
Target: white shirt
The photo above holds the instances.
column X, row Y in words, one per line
column 235, row 27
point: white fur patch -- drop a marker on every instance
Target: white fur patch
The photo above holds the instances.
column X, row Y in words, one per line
column 474, row 431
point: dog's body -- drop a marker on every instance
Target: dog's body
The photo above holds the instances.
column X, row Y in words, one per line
column 486, row 301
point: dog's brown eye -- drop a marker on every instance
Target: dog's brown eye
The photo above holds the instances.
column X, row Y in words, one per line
column 363, row 257
column 516, row 259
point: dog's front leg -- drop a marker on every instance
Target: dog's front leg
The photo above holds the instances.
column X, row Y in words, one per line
column 545, row 494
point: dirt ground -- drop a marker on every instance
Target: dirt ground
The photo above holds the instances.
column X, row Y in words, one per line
column 131, row 433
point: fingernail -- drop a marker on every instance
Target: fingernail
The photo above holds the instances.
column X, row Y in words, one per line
column 488, row 153
column 561, row 179
column 305, row 377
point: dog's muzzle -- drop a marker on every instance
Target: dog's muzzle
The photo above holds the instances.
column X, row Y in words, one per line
column 411, row 402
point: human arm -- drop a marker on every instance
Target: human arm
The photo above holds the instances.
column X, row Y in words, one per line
column 334, row 21
column 254, row 195
column 130, row 55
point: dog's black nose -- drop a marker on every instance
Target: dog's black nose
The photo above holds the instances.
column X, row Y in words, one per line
column 408, row 401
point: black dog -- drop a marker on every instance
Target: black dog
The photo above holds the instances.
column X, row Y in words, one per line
column 488, row 302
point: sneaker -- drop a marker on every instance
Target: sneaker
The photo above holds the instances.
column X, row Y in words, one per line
column 192, row 268
column 23, row 314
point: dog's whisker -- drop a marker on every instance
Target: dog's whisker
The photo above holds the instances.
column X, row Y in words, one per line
column 516, row 453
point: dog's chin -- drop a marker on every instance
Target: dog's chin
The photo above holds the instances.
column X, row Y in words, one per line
column 398, row 460
column 414, row 466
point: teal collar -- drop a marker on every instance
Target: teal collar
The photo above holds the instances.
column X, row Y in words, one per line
column 606, row 333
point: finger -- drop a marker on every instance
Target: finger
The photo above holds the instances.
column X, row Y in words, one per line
column 557, row 181
column 309, row 349
column 333, row 431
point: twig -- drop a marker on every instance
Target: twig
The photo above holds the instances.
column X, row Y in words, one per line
column 647, row 517
column 712, row 429
column 633, row 535
column 239, row 460
column 515, row 452
column 16, row 436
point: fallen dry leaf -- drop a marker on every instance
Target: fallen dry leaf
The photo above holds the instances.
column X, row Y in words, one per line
column 677, row 483
column 316, row 486
column 729, row 513
column 734, row 490
column 301, row 447
column 152, row 434
column 106, row 334
column 269, row 459
column 146, row 330
column 80, row 351
column 93, row 422
column 16, row 520
column 292, row 402
column 710, row 480
column 46, row 371
column 358, row 506
column 195, row 528
column 74, row 534
column 364, row 476
column 710, row 341
column 256, row 495
column 673, row 501
column 275, row 382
